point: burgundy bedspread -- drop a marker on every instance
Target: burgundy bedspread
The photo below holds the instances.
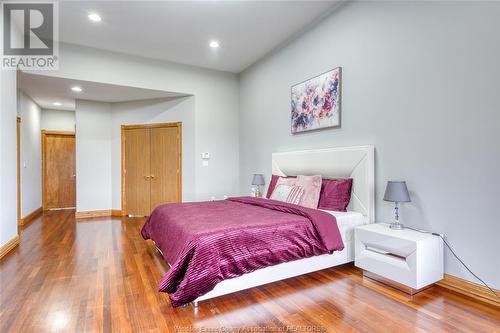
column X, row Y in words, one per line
column 207, row 242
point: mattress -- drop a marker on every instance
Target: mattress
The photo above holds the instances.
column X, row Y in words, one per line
column 347, row 221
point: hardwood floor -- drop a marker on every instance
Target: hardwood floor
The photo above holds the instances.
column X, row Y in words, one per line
column 100, row 276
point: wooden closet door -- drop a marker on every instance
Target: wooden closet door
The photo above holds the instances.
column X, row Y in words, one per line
column 138, row 180
column 59, row 177
column 165, row 155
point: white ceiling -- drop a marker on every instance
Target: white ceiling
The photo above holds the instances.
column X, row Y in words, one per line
column 45, row 90
column 180, row 31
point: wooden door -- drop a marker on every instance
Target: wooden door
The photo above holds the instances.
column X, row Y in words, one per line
column 151, row 166
column 59, row 172
column 138, row 173
column 165, row 155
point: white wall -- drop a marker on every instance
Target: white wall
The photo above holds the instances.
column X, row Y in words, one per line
column 215, row 105
column 156, row 111
column 58, row 120
column 31, row 165
column 421, row 81
column 8, row 154
column 93, row 156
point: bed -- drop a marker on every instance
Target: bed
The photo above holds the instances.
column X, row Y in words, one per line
column 305, row 239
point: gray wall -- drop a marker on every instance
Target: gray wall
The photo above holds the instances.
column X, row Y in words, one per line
column 8, row 152
column 93, row 156
column 421, row 81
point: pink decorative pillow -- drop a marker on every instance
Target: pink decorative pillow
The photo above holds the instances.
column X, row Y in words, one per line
column 272, row 185
column 312, row 189
column 295, row 195
column 335, row 194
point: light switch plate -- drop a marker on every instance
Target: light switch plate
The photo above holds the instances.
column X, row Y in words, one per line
column 205, row 155
column 204, row 163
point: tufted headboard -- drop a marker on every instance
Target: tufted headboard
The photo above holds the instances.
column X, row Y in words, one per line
column 357, row 163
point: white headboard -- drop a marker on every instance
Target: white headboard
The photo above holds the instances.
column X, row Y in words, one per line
column 357, row 163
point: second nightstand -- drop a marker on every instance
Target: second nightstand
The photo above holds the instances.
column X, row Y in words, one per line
column 405, row 259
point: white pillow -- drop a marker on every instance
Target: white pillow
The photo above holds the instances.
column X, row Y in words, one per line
column 281, row 192
column 288, row 193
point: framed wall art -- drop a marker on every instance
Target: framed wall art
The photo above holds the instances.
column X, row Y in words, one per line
column 316, row 102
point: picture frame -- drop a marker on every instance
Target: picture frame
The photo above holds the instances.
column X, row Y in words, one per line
column 316, row 102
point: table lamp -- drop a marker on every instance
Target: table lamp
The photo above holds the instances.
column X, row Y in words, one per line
column 396, row 191
column 258, row 180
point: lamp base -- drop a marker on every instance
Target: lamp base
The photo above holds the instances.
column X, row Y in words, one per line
column 396, row 226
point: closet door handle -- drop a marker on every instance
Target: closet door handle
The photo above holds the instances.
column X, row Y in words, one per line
column 147, row 177
column 152, row 176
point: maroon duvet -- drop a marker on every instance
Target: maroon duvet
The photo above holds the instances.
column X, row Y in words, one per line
column 207, row 242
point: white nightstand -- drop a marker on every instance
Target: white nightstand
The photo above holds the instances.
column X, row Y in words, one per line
column 405, row 259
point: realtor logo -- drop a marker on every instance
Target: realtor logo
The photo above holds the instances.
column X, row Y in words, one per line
column 30, row 35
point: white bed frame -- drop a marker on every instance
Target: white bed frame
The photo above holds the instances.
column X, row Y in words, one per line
column 346, row 162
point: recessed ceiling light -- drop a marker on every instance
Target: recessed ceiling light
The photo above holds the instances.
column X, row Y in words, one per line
column 76, row 88
column 214, row 44
column 57, row 104
column 94, row 17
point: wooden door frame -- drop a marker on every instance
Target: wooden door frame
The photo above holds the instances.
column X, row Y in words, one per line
column 44, row 134
column 179, row 163
column 18, row 140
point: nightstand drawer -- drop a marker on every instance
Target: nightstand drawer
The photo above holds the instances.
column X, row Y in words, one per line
column 390, row 245
column 394, row 258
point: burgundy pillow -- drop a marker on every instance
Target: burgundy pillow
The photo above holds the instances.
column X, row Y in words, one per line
column 272, row 184
column 335, row 194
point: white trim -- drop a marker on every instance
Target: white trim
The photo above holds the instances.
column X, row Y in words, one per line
column 343, row 162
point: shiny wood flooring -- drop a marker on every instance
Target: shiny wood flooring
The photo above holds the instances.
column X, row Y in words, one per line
column 101, row 276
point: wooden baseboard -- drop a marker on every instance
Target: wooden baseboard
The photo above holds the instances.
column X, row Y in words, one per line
column 97, row 213
column 9, row 246
column 470, row 289
column 31, row 216
column 92, row 213
column 116, row 213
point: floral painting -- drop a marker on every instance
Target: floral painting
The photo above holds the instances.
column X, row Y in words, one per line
column 316, row 102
